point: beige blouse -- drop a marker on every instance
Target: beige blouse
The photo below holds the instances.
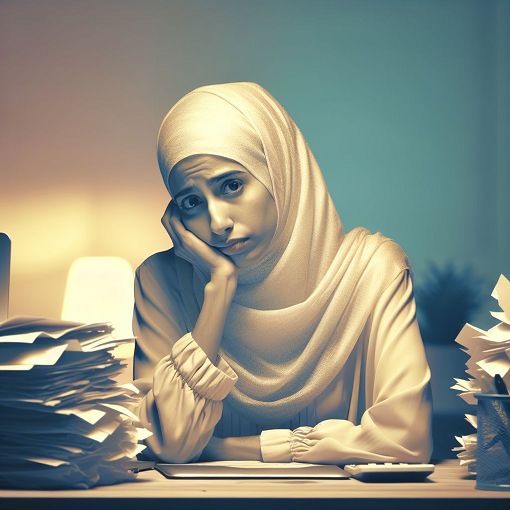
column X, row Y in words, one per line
column 377, row 408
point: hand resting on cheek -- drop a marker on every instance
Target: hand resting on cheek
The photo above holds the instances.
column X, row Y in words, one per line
column 208, row 260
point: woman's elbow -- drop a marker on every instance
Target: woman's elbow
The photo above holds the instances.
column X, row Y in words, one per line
column 417, row 448
column 175, row 454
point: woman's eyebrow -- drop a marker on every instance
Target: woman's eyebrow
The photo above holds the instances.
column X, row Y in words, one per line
column 212, row 180
column 229, row 173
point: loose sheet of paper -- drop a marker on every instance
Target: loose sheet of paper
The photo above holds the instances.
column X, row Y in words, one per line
column 489, row 355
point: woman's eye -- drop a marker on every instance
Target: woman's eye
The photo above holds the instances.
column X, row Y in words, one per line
column 190, row 202
column 232, row 186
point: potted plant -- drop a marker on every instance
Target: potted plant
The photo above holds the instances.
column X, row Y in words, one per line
column 446, row 299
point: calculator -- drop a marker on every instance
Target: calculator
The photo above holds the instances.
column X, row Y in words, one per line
column 389, row 472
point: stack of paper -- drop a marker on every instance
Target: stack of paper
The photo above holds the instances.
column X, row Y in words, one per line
column 489, row 354
column 65, row 422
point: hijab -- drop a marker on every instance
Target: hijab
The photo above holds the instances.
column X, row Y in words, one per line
column 298, row 313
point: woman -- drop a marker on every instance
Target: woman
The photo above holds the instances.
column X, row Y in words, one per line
column 267, row 332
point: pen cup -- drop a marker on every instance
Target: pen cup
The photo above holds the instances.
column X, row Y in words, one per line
column 493, row 442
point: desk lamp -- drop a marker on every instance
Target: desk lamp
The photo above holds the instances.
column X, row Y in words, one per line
column 100, row 289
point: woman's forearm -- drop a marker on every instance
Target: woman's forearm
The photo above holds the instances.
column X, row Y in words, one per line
column 208, row 330
column 232, row 448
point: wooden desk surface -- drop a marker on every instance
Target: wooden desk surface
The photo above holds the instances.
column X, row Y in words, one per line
column 448, row 487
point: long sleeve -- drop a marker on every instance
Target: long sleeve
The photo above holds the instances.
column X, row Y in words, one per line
column 183, row 388
column 184, row 404
column 395, row 424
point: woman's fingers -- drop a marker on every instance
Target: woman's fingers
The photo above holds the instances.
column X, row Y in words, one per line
column 176, row 223
column 165, row 219
column 185, row 243
column 171, row 225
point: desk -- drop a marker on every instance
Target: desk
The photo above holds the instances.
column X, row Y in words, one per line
column 447, row 488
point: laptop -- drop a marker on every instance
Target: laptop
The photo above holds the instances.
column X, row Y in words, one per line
column 251, row 469
column 5, row 271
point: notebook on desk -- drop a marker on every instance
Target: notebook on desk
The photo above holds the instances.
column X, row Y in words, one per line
column 251, row 469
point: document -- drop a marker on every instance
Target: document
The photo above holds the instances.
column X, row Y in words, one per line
column 66, row 422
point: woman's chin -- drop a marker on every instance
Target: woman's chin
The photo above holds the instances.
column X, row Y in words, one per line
column 245, row 260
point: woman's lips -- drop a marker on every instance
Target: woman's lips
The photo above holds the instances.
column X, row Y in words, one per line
column 236, row 247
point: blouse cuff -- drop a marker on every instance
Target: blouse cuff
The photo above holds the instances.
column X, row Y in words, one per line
column 199, row 373
column 275, row 445
column 283, row 445
column 300, row 444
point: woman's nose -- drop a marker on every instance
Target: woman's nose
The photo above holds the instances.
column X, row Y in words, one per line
column 220, row 222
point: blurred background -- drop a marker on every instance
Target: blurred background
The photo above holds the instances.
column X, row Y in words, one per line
column 405, row 104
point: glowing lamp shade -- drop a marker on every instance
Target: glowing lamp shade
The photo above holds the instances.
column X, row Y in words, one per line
column 100, row 289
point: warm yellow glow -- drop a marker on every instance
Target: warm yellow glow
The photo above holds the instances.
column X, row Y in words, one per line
column 100, row 289
column 52, row 228
column 47, row 230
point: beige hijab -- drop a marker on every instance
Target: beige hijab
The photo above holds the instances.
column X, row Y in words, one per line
column 298, row 314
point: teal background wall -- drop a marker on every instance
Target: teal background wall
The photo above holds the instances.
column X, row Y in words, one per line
column 405, row 104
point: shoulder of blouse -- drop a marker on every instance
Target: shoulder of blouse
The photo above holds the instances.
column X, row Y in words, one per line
column 160, row 262
column 389, row 259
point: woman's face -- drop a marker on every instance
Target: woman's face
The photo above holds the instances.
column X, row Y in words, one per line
column 221, row 202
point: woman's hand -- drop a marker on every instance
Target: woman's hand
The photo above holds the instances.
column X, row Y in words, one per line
column 220, row 273
column 206, row 259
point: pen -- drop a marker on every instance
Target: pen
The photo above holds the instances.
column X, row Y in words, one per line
column 501, row 389
column 502, row 410
column 500, row 385
column 503, row 407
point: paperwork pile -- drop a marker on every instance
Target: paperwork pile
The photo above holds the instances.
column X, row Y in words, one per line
column 65, row 421
column 489, row 354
